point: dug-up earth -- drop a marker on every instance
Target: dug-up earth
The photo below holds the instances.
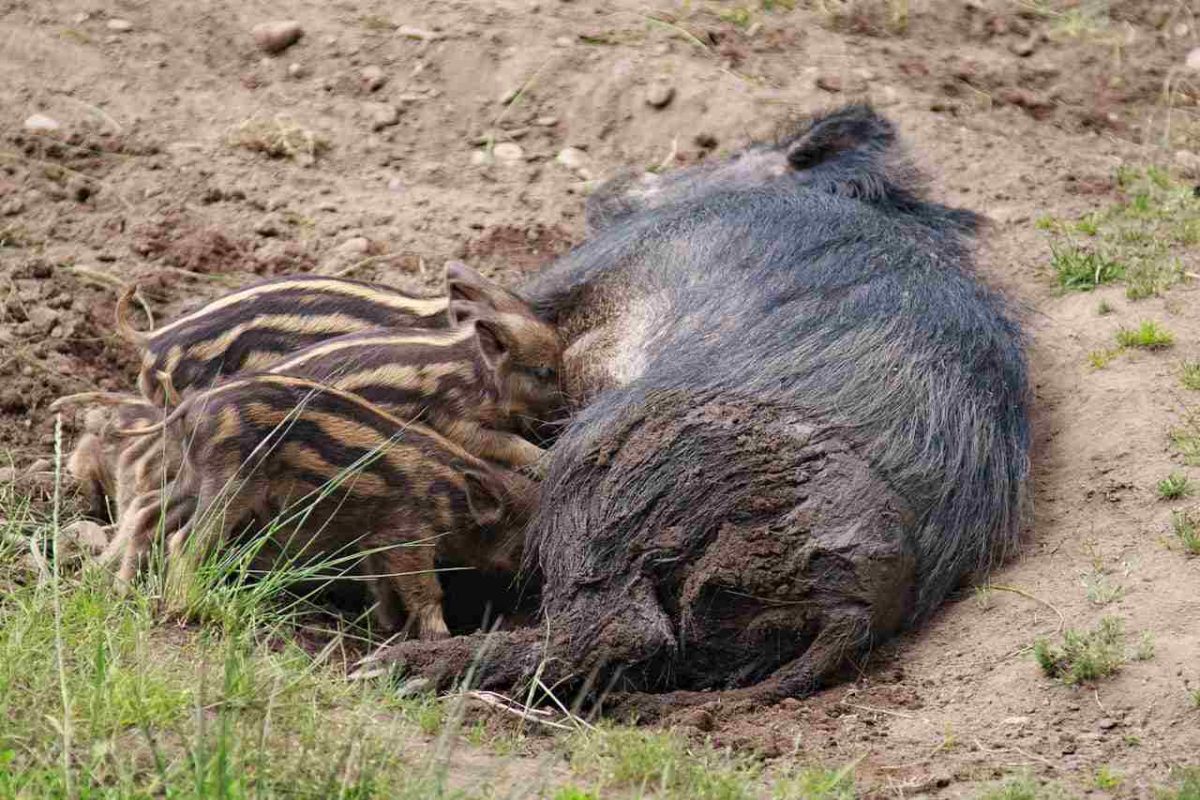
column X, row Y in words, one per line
column 155, row 142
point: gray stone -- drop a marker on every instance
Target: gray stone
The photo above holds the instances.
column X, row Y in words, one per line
column 276, row 36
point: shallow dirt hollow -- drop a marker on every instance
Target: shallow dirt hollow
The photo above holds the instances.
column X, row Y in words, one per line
column 1012, row 113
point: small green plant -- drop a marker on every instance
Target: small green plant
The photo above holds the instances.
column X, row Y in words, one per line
column 1100, row 590
column 816, row 783
column 1185, row 437
column 660, row 761
column 1080, row 270
column 984, row 595
column 1157, row 220
column 1083, row 657
column 571, row 793
column 1104, row 308
column 1145, row 648
column 739, row 16
column 1107, row 779
column 1194, row 694
column 1099, row 359
column 1149, row 335
column 1189, row 375
column 279, row 137
column 1022, row 786
column 1187, row 529
column 1174, row 486
column 1187, row 785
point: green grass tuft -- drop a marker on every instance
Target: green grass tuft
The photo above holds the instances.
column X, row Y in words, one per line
column 1189, row 375
column 1100, row 359
column 1187, row 785
column 1186, row 525
column 1080, row 270
column 1174, row 486
column 1021, row 787
column 1185, row 437
column 816, row 783
column 1083, row 657
column 1148, row 335
column 1147, row 239
column 1107, row 779
column 648, row 761
column 1104, row 308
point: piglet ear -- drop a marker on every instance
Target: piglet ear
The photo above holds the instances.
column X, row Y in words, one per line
column 485, row 497
column 463, row 312
column 464, row 283
column 493, row 341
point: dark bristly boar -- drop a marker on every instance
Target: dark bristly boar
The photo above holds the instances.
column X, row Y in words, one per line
column 248, row 329
column 343, row 477
column 478, row 384
column 806, row 422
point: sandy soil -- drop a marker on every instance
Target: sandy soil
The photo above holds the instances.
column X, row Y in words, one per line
column 1012, row 113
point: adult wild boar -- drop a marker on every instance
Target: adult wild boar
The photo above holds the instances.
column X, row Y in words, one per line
column 803, row 422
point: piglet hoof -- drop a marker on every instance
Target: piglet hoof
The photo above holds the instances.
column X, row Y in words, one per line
column 432, row 625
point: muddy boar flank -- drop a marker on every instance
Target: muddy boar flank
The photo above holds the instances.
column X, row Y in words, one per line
column 477, row 384
column 343, row 477
column 808, row 422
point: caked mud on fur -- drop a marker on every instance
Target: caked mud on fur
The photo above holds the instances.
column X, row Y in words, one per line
column 806, row 422
column 249, row 328
column 341, row 476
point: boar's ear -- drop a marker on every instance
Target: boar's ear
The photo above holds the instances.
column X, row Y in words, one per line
column 493, row 340
column 853, row 129
column 485, row 497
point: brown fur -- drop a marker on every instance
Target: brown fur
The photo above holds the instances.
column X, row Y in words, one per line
column 259, row 445
column 254, row 326
column 477, row 385
column 111, row 469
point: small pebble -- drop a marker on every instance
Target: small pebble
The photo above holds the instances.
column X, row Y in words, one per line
column 1188, row 163
column 546, row 122
column 508, row 96
column 372, row 78
column 40, row 123
column 508, row 153
column 268, row 226
column 381, row 115
column 119, row 25
column 355, row 246
column 12, row 207
column 296, row 70
column 564, row 41
column 275, row 37
column 1024, row 47
column 660, row 94
column 830, row 83
column 43, row 318
column 575, row 160
column 1192, row 61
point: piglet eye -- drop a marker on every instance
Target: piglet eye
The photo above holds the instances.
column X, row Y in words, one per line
column 542, row 373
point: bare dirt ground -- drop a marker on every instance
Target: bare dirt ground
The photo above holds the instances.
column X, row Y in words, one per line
column 1014, row 110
